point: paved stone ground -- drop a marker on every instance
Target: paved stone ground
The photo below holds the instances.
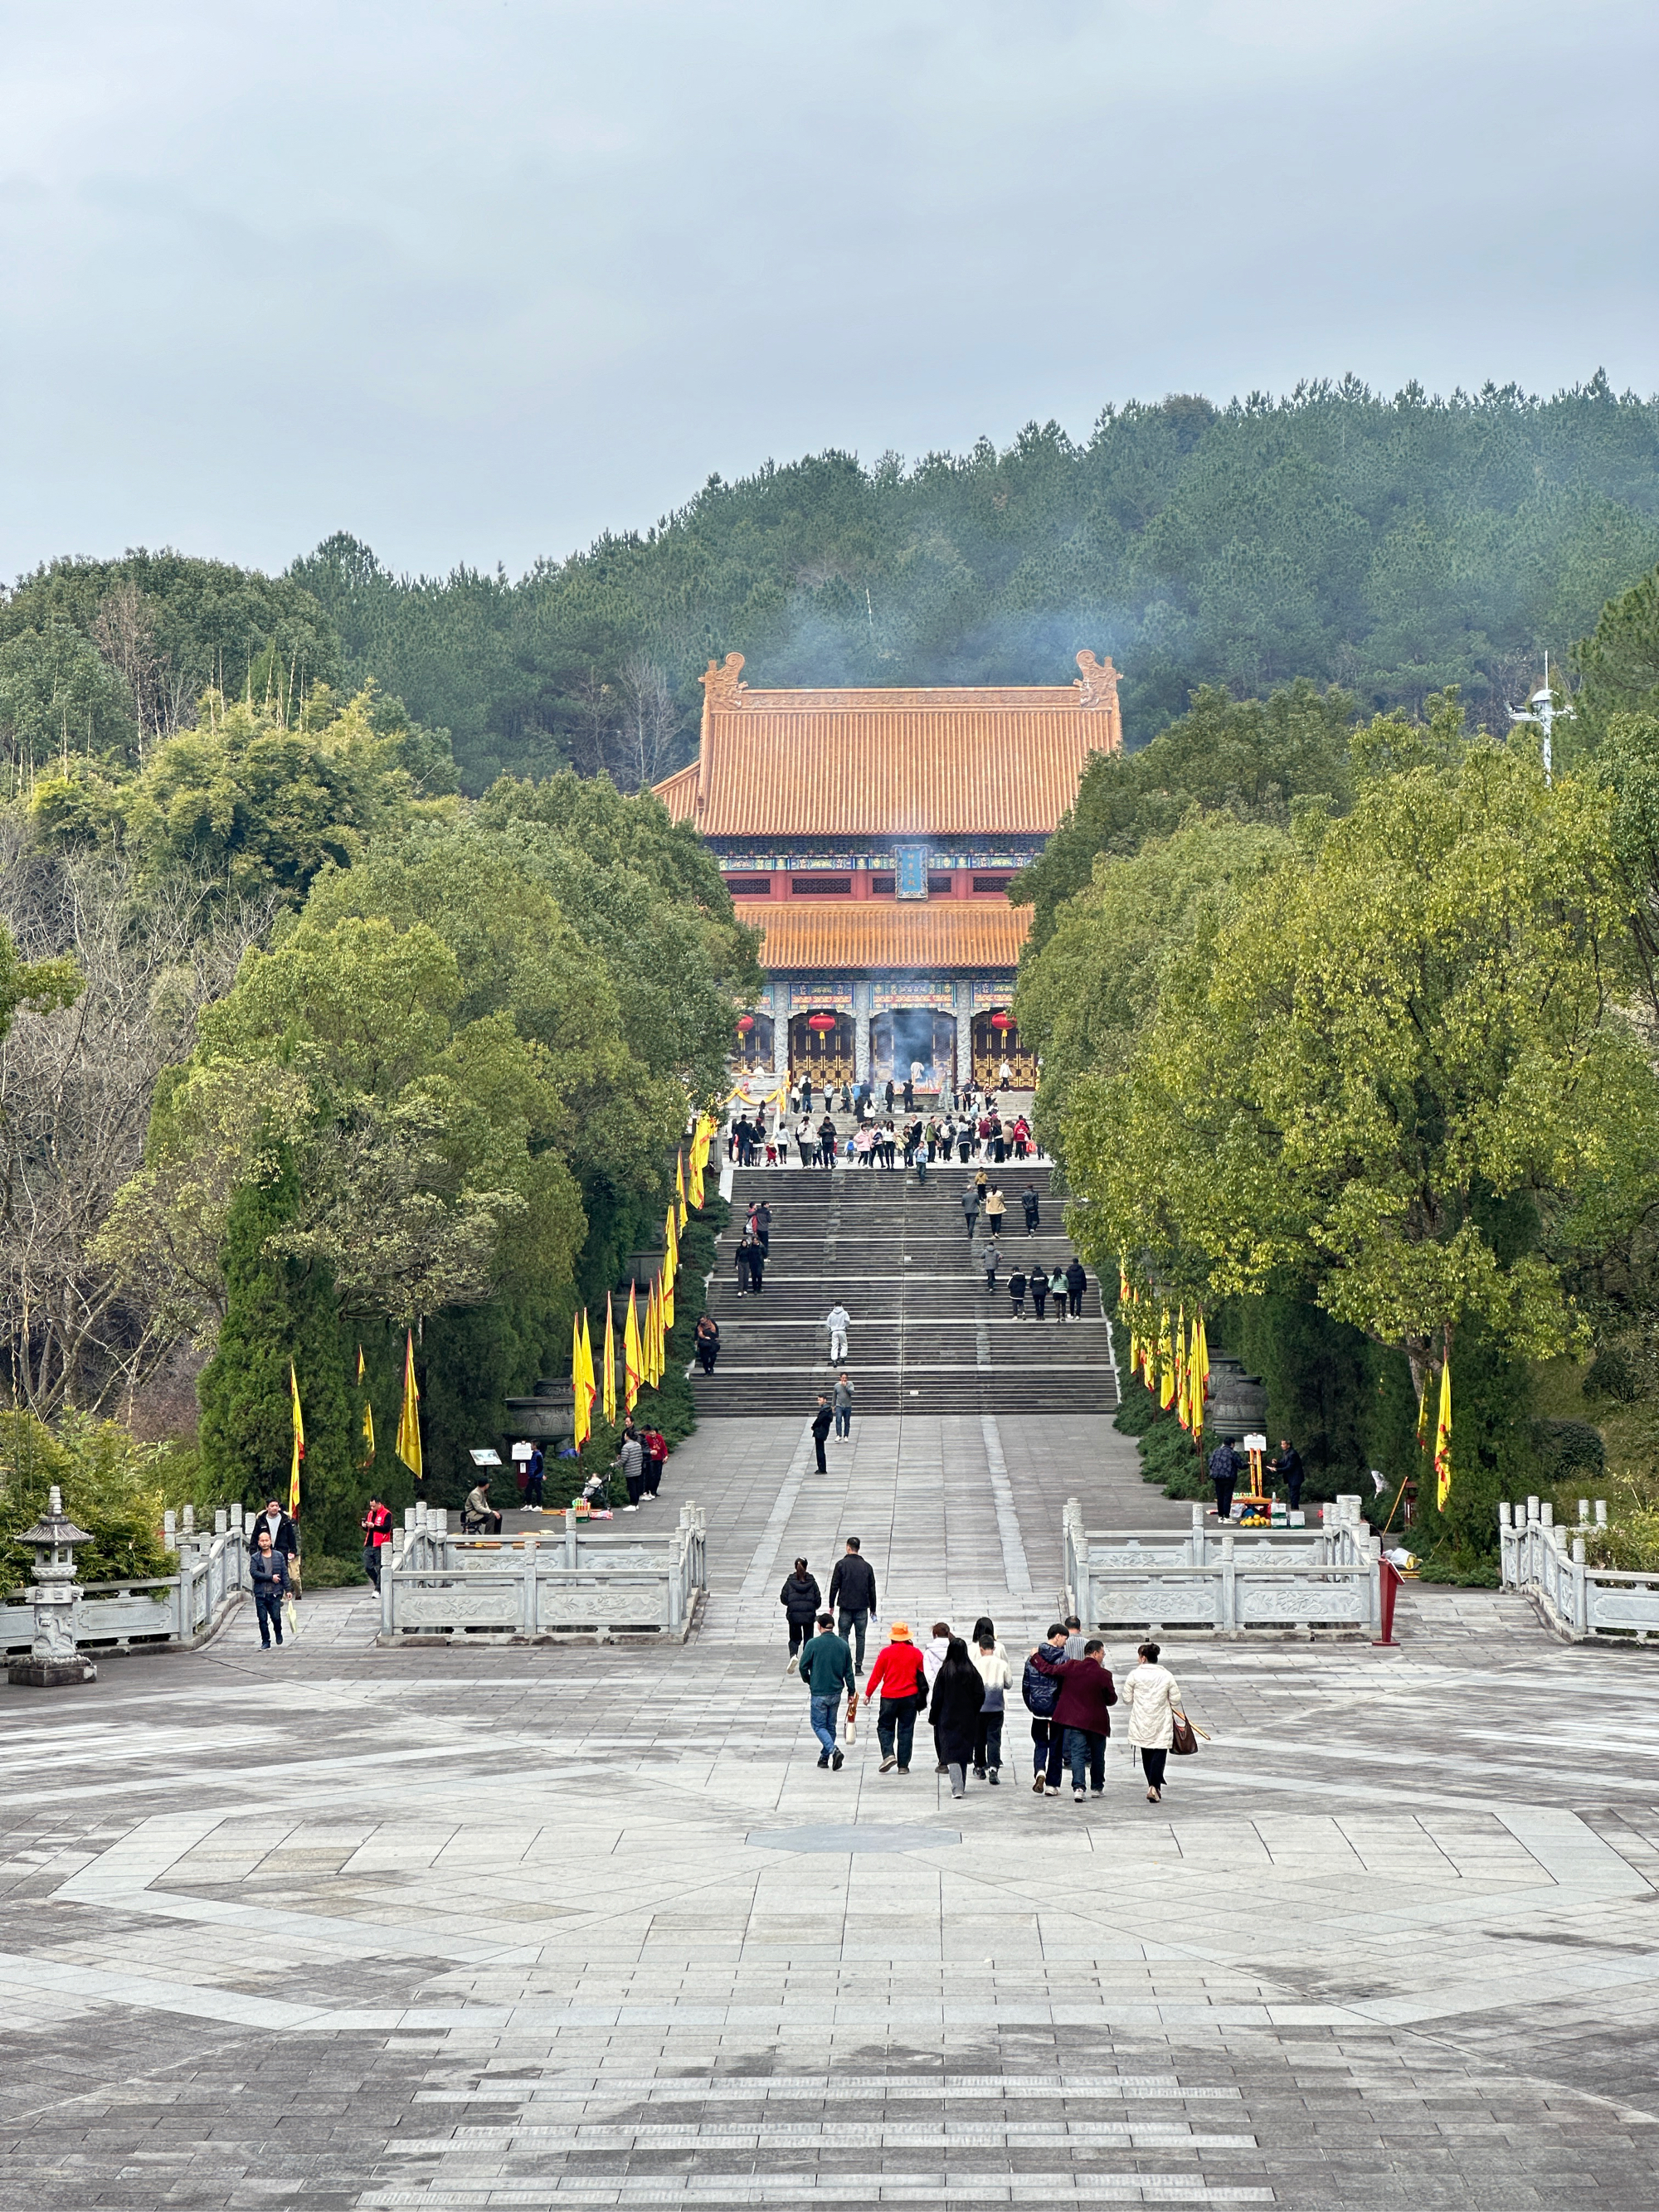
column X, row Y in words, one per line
column 333, row 1927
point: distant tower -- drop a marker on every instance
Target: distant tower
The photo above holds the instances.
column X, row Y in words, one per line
column 1545, row 713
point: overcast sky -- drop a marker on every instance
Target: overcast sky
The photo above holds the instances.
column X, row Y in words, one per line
column 477, row 280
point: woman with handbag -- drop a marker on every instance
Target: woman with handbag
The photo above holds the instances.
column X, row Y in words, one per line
column 1152, row 1696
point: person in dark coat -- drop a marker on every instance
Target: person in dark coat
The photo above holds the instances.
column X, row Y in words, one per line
column 958, row 1695
column 284, row 1537
column 1288, row 1467
column 1223, row 1473
column 757, row 1266
column 821, row 1421
column 970, row 1209
column 826, row 1143
column 1017, row 1290
column 1076, row 1283
column 707, row 1341
column 852, row 1594
column 764, row 1228
column 802, row 1602
column 1079, row 1718
column 1029, row 1206
column 268, row 1569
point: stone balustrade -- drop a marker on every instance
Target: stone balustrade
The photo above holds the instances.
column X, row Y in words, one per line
column 441, row 1583
column 1547, row 1564
column 1219, row 1580
column 143, row 1611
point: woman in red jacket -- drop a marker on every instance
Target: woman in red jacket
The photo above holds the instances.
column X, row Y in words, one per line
column 902, row 1679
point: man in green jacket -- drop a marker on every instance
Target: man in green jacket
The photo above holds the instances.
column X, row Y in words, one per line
column 826, row 1668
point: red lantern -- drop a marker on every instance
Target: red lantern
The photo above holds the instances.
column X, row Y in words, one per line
column 1002, row 1021
column 820, row 1022
column 745, row 1023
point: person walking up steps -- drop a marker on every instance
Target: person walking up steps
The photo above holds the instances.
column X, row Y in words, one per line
column 1039, row 1289
column 1152, row 1697
column 800, row 1598
column 996, row 1206
column 853, row 1590
column 1040, row 1687
column 1017, row 1292
column 958, row 1698
column 992, row 1663
column 843, row 1404
column 826, row 1668
column 1076, row 1283
column 837, row 1320
column 970, row 1209
column 1057, row 1292
column 902, row 1680
column 1030, row 1207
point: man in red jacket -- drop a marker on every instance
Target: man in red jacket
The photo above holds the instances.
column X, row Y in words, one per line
column 1085, row 1691
column 901, row 1677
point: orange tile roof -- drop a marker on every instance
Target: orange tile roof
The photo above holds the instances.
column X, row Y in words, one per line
column 977, row 761
column 886, row 934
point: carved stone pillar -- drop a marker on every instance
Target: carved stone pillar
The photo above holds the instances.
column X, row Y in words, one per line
column 53, row 1660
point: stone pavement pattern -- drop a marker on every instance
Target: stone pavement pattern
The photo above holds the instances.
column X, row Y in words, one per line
column 336, row 1927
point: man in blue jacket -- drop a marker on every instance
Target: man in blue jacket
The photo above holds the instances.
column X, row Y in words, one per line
column 826, row 1668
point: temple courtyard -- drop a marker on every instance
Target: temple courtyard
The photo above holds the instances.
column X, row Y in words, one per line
column 491, row 1925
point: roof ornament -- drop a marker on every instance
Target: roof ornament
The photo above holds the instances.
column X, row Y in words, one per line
column 1097, row 685
column 720, row 688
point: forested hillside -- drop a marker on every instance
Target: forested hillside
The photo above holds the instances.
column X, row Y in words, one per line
column 1391, row 546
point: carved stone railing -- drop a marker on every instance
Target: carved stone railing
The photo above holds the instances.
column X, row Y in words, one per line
column 1547, row 1564
column 141, row 1611
column 439, row 1583
column 1217, row 1581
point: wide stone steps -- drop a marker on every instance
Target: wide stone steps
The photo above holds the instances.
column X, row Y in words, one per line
column 926, row 1334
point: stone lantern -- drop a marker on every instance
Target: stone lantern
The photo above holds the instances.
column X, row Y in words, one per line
column 53, row 1660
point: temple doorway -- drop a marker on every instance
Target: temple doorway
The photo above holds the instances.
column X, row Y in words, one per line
column 913, row 1041
column 825, row 1053
column 993, row 1045
column 754, row 1043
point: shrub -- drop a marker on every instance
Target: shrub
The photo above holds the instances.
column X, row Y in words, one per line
column 1614, row 1375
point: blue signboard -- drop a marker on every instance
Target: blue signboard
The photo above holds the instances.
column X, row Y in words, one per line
column 912, row 871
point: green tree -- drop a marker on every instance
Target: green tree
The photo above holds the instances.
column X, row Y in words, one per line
column 1618, row 662
column 280, row 1309
column 1250, row 759
column 1395, row 1076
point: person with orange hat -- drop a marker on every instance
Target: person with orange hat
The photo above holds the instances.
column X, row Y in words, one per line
column 901, row 1678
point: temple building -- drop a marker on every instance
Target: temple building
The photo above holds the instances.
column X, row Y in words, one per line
column 872, row 836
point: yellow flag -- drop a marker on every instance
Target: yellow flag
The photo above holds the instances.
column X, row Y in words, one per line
column 1200, row 1374
column 1181, row 1402
column 670, row 1268
column 610, row 1397
column 299, row 1444
column 367, row 1459
column 1166, row 1374
column 653, row 1333
column 1442, row 1431
column 409, row 1421
column 580, row 1397
column 680, row 1184
column 631, row 1373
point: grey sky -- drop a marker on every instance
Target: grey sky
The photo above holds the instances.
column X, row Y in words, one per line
column 476, row 282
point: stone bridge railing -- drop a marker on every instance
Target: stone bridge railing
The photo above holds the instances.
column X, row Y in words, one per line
column 141, row 1611
column 439, row 1582
column 1219, row 1580
column 1547, row 1564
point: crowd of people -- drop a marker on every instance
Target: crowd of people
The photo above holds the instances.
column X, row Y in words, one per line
column 962, row 1686
column 887, row 1126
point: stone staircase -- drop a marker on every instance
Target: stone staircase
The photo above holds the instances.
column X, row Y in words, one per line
column 927, row 1337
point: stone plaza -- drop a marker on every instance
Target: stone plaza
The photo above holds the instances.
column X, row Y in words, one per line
column 344, row 1926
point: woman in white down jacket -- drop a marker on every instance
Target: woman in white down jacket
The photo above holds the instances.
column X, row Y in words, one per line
column 1152, row 1696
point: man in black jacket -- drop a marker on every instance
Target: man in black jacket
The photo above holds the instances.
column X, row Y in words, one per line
column 821, row 1421
column 1076, row 1282
column 853, row 1590
column 284, row 1537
